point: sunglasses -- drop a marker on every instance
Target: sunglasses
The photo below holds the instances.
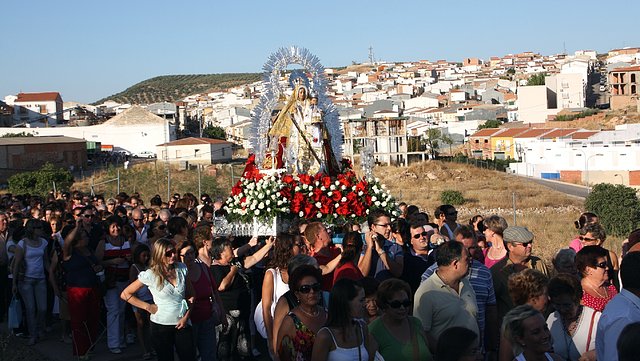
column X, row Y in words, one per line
column 420, row 235
column 602, row 265
column 383, row 225
column 397, row 304
column 524, row 244
column 170, row 252
column 138, row 219
column 308, row 288
column 587, row 239
column 87, row 215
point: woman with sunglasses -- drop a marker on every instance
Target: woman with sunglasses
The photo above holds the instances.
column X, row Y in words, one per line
column 168, row 282
column 593, row 234
column 572, row 326
column 297, row 333
column 592, row 264
column 399, row 336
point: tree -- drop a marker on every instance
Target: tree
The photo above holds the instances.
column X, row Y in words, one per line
column 491, row 123
column 617, row 207
column 536, row 79
column 214, row 132
column 446, row 139
column 40, row 181
column 433, row 135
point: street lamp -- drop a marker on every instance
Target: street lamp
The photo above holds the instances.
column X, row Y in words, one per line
column 586, row 168
column 621, row 177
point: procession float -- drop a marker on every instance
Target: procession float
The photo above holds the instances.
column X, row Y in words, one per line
column 296, row 170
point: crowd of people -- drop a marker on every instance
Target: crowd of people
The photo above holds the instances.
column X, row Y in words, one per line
column 410, row 288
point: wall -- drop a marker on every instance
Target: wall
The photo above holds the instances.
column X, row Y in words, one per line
column 532, row 104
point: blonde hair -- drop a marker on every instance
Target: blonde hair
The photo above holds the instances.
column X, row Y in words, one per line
column 157, row 264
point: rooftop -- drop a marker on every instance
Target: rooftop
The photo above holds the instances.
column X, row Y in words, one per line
column 38, row 97
column 194, row 141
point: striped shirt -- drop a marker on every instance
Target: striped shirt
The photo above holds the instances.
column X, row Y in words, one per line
column 482, row 284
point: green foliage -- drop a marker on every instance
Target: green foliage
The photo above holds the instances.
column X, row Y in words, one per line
column 433, row 136
column 536, row 79
column 16, row 135
column 511, row 71
column 617, row 207
column 582, row 114
column 491, row 123
column 451, row 197
column 172, row 88
column 40, row 181
column 214, row 132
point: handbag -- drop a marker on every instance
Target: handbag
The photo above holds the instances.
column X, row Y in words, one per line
column 217, row 313
column 14, row 314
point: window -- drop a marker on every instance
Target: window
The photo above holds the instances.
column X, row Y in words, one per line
column 477, row 141
column 486, row 140
column 223, row 151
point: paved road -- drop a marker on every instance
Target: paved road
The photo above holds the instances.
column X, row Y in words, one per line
column 566, row 188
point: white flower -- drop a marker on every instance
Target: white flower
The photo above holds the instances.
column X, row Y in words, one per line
column 343, row 199
column 395, row 213
column 343, row 187
column 256, row 212
column 377, row 180
column 310, row 187
column 279, row 202
column 284, row 199
column 318, row 204
column 337, row 183
column 305, row 186
column 384, row 204
column 252, row 206
column 260, row 196
column 332, row 187
column 337, row 205
column 353, row 215
column 297, row 189
column 273, row 196
column 317, row 183
column 278, row 194
column 374, row 198
column 360, row 193
column 329, row 193
column 261, row 205
column 323, row 188
column 319, row 215
column 367, row 211
column 383, row 186
column 268, row 202
column 269, row 210
column 301, row 214
column 353, row 188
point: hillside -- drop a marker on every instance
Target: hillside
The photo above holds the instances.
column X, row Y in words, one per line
column 171, row 88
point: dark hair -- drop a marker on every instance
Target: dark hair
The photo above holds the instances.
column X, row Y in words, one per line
column 634, row 238
column 156, row 201
column 449, row 252
column 200, row 235
column 206, row 209
column 388, row 288
column 454, row 342
column 339, row 313
column 629, row 271
column 401, row 227
column 138, row 251
column 370, row 286
column 176, row 224
column 628, row 341
column 352, row 246
column 219, row 244
column 375, row 215
column 466, row 232
column 596, row 230
column 588, row 257
column 282, row 251
column 474, row 219
column 111, row 220
column 565, row 284
column 585, row 218
column 525, row 285
column 301, row 272
column 411, row 209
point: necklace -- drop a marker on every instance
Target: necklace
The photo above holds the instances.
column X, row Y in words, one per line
column 310, row 314
column 596, row 290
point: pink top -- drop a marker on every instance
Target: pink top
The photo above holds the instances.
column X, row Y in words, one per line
column 575, row 244
column 598, row 303
column 489, row 262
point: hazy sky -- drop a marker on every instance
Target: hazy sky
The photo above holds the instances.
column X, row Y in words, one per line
column 87, row 50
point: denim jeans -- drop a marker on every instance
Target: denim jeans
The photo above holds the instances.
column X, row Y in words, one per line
column 115, row 315
column 204, row 336
column 34, row 294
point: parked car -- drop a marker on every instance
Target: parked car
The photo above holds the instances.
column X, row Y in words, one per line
column 144, row 154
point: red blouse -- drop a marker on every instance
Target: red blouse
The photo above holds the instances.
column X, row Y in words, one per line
column 598, row 303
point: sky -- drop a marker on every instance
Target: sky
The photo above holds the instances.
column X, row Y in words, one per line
column 88, row 50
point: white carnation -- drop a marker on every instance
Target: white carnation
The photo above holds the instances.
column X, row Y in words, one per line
column 301, row 214
column 256, row 212
column 344, row 199
column 360, row 193
column 318, row 204
column 261, row 205
column 329, row 193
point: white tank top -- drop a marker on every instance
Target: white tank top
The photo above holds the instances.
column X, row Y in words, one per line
column 358, row 353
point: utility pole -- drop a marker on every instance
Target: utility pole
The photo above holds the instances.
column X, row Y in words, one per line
column 371, row 58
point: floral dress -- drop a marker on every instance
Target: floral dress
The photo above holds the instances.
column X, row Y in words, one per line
column 299, row 348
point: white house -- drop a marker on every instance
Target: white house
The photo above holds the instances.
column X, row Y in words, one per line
column 135, row 130
column 533, row 105
column 569, row 89
column 44, row 107
column 196, row 151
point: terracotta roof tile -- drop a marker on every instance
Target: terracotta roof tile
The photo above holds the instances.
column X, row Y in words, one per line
column 511, row 132
column 37, row 97
column 533, row 133
column 583, row 135
column 558, row 133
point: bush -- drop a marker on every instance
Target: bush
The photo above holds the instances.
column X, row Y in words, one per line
column 41, row 181
column 451, row 197
column 617, row 207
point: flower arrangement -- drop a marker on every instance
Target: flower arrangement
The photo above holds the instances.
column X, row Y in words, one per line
column 332, row 200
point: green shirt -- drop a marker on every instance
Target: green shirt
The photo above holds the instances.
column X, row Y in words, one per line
column 393, row 349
